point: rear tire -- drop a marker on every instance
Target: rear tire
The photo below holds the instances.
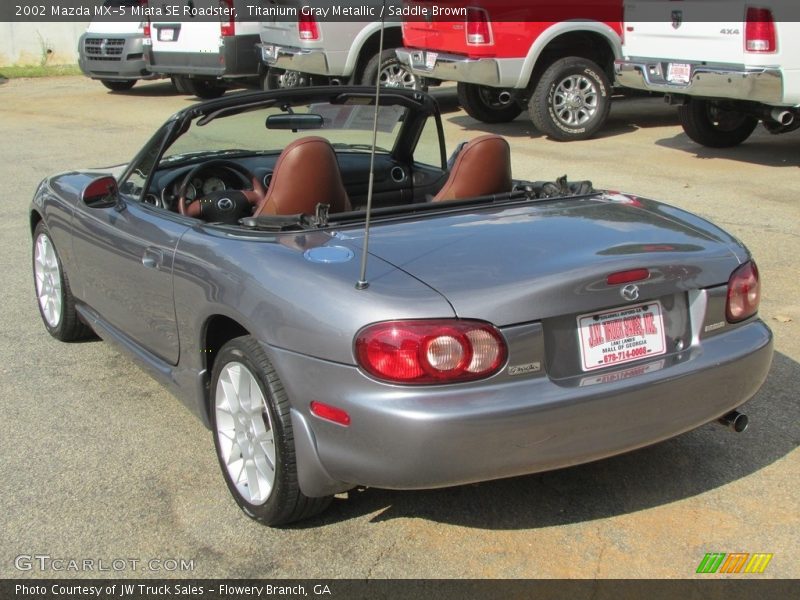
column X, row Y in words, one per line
column 278, row 79
column 53, row 294
column 705, row 122
column 116, row 85
column 253, row 436
column 571, row 99
column 483, row 103
column 205, row 89
column 393, row 72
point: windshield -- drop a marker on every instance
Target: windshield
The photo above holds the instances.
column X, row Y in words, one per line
column 268, row 130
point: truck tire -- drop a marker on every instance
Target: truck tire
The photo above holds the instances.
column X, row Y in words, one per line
column 205, row 89
column 278, row 79
column 487, row 104
column 393, row 72
column 705, row 122
column 118, row 85
column 571, row 100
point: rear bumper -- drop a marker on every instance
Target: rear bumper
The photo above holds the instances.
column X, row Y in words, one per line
column 494, row 72
column 113, row 56
column 304, row 60
column 428, row 437
column 758, row 84
column 237, row 57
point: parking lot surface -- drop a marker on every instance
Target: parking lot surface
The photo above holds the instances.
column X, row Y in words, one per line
column 99, row 462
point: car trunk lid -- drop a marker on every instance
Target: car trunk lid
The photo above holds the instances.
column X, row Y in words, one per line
column 510, row 265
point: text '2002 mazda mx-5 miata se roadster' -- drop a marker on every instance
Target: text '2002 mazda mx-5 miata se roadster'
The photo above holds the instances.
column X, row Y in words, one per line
column 493, row 328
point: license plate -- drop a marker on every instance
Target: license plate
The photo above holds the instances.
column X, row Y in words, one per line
column 679, row 73
column 430, row 59
column 620, row 336
column 166, row 34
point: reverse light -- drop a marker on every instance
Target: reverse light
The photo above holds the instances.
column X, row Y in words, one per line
column 430, row 351
column 744, row 293
column 479, row 30
column 307, row 27
column 759, row 31
column 227, row 28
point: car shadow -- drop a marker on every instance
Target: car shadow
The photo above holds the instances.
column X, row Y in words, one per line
column 149, row 89
column 627, row 114
column 762, row 148
column 686, row 466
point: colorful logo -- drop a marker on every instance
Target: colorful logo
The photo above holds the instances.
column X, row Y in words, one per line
column 735, row 562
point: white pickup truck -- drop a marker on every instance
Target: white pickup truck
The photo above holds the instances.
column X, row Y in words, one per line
column 728, row 64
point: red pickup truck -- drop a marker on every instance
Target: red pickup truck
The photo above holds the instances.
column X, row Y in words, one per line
column 555, row 57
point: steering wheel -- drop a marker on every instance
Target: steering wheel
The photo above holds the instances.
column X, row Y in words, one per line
column 252, row 196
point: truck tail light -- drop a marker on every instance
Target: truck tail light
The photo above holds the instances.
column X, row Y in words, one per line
column 479, row 29
column 307, row 27
column 744, row 293
column 228, row 28
column 759, row 31
column 430, row 351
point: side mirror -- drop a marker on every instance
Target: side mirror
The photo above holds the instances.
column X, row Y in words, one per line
column 101, row 193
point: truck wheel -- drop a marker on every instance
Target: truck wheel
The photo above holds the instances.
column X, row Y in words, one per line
column 488, row 104
column 253, row 436
column 571, row 99
column 278, row 79
column 118, row 85
column 708, row 124
column 393, row 73
column 179, row 83
column 205, row 89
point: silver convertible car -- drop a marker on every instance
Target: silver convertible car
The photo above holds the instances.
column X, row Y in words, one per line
column 470, row 326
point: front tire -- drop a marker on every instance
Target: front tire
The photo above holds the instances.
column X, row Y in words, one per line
column 393, row 73
column 487, row 104
column 53, row 294
column 253, row 436
column 571, row 100
column 205, row 89
column 705, row 122
column 116, row 85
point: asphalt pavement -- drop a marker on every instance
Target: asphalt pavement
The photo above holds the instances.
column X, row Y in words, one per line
column 99, row 462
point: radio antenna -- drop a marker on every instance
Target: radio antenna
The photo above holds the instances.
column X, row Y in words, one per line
column 362, row 283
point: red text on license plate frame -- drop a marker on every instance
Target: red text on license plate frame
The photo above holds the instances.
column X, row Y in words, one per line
column 621, row 335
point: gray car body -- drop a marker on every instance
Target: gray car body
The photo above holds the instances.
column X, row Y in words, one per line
column 158, row 285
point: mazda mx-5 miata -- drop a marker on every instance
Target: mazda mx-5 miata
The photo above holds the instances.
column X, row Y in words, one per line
column 485, row 327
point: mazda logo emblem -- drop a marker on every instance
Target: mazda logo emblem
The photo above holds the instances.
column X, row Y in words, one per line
column 225, row 204
column 630, row 292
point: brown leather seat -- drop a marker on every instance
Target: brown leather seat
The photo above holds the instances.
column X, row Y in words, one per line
column 305, row 175
column 482, row 167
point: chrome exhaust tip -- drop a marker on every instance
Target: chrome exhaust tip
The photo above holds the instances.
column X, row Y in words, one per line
column 784, row 117
column 504, row 97
column 734, row 421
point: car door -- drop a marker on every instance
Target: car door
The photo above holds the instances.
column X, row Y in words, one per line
column 124, row 255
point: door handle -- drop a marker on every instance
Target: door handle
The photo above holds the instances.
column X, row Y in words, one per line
column 152, row 258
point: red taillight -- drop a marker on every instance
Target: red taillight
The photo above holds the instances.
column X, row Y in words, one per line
column 479, row 30
column 227, row 28
column 744, row 293
column 627, row 276
column 435, row 351
column 146, row 31
column 330, row 413
column 307, row 27
column 759, row 31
